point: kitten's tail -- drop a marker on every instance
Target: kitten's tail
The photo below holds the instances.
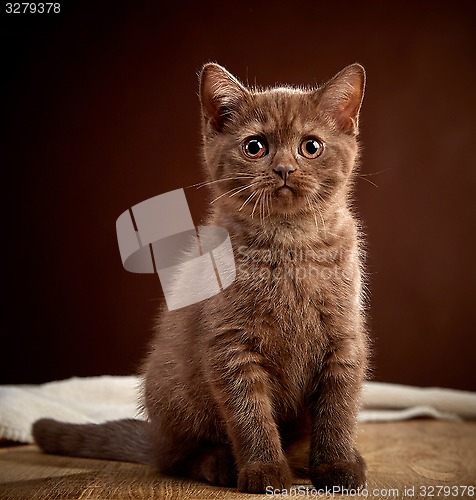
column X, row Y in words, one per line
column 124, row 440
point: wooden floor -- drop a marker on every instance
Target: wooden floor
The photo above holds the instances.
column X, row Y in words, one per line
column 419, row 453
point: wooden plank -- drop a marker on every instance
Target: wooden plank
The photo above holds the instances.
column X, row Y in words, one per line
column 419, row 454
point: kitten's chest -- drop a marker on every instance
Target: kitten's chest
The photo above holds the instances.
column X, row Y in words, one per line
column 285, row 295
column 283, row 315
column 292, row 342
column 291, row 299
column 285, row 283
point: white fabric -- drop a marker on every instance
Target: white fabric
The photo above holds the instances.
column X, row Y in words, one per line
column 76, row 400
column 408, row 402
column 97, row 399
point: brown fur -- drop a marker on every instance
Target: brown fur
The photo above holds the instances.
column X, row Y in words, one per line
column 265, row 377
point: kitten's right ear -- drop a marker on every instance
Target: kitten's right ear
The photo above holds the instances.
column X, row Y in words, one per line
column 220, row 95
column 341, row 97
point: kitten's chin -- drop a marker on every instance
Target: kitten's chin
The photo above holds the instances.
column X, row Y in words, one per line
column 286, row 200
column 285, row 192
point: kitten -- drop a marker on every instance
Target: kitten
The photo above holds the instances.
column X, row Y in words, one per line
column 262, row 380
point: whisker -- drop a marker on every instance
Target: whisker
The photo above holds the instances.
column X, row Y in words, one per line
column 313, row 212
column 318, row 211
column 261, row 209
column 322, row 219
column 246, row 187
column 375, row 173
column 237, row 188
column 207, row 183
column 250, row 197
column 268, row 199
column 369, row 181
column 262, row 206
column 256, row 202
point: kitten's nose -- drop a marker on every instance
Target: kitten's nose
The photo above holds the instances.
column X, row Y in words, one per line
column 283, row 172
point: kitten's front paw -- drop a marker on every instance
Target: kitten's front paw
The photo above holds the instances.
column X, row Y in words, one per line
column 255, row 477
column 344, row 473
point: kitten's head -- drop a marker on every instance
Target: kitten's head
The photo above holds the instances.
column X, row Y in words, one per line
column 283, row 150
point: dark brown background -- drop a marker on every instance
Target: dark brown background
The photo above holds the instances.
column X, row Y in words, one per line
column 101, row 113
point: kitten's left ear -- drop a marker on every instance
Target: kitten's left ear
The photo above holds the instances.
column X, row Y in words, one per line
column 220, row 94
column 341, row 97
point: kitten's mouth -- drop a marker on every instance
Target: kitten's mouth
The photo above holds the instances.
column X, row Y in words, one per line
column 285, row 190
column 287, row 199
column 285, row 186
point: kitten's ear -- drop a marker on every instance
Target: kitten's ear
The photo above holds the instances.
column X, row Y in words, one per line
column 220, row 94
column 341, row 97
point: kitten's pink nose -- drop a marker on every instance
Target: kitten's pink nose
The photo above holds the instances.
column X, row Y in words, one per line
column 283, row 172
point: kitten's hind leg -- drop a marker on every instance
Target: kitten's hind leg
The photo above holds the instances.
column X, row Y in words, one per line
column 215, row 464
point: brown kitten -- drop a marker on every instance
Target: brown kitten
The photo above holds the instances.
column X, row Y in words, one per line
column 263, row 378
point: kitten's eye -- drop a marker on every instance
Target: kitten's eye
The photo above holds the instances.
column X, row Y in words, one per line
column 311, row 148
column 255, row 147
